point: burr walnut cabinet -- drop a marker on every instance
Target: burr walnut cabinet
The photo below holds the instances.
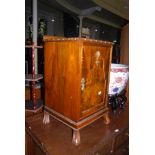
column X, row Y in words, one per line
column 76, row 74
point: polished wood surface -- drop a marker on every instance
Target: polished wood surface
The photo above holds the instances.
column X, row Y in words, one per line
column 63, row 77
column 97, row 139
column 76, row 79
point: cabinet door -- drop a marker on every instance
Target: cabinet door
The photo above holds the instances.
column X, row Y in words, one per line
column 94, row 82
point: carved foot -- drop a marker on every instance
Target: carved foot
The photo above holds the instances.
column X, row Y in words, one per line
column 106, row 118
column 46, row 118
column 76, row 137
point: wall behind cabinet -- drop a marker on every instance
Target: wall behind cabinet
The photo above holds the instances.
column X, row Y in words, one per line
column 124, row 45
column 124, row 49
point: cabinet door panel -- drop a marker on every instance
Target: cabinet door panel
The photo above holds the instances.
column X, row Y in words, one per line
column 94, row 81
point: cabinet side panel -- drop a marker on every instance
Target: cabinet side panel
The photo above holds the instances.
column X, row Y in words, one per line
column 72, row 79
column 52, row 78
column 62, row 77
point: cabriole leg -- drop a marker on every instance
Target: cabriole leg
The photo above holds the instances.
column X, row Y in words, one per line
column 106, row 118
column 46, row 118
column 76, row 137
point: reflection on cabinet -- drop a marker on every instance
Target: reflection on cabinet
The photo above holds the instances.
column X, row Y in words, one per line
column 76, row 81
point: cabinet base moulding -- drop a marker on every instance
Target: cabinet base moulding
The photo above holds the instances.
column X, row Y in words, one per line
column 75, row 126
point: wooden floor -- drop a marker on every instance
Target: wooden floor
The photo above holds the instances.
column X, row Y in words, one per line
column 96, row 139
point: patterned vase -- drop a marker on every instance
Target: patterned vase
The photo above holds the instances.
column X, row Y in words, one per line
column 119, row 75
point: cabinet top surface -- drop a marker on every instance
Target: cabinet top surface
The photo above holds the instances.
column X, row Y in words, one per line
column 54, row 39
